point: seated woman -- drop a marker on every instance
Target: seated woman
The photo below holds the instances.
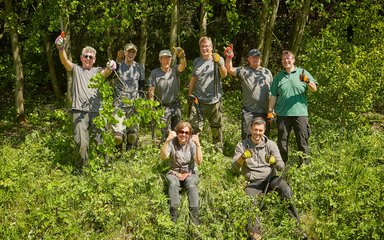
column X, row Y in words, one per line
column 184, row 153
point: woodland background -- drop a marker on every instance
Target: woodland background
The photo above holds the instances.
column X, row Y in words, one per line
column 339, row 194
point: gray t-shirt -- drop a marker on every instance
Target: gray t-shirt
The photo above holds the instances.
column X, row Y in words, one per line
column 255, row 84
column 167, row 84
column 181, row 156
column 84, row 98
column 207, row 89
column 127, row 84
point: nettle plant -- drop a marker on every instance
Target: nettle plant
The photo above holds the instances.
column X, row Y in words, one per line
column 146, row 112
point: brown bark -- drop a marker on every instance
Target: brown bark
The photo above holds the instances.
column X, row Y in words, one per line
column 300, row 23
column 67, row 44
column 269, row 31
column 51, row 67
column 263, row 25
column 18, row 65
column 203, row 18
column 143, row 41
column 174, row 23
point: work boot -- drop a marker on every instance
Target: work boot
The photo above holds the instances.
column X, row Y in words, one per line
column 253, row 229
column 194, row 214
column 174, row 214
column 254, row 236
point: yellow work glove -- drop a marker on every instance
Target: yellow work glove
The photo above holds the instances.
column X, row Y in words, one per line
column 179, row 52
column 246, row 154
column 217, row 59
column 271, row 160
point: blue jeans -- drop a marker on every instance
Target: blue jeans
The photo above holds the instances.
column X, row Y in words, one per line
column 174, row 187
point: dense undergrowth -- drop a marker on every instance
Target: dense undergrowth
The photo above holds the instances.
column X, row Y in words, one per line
column 339, row 195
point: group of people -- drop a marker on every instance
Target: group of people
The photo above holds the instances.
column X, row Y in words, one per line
column 265, row 98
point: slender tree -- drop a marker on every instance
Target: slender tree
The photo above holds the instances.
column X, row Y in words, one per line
column 269, row 30
column 52, row 72
column 299, row 26
column 18, row 65
column 203, row 17
column 262, row 25
column 143, row 38
column 174, row 23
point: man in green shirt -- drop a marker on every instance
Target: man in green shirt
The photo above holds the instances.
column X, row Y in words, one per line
column 289, row 101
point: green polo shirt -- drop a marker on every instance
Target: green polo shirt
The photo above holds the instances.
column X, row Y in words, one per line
column 291, row 93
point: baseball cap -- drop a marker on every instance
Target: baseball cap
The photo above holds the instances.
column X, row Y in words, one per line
column 254, row 53
column 165, row 53
column 130, row 46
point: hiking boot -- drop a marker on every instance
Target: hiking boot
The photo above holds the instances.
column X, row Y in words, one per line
column 194, row 214
column 254, row 236
column 174, row 214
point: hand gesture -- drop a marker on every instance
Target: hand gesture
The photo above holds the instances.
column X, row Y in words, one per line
column 179, row 52
column 304, row 78
column 228, row 51
column 183, row 176
column 270, row 116
column 111, row 65
column 247, row 154
column 271, row 160
column 60, row 42
column 217, row 59
column 171, row 135
column 192, row 99
column 195, row 139
column 120, row 55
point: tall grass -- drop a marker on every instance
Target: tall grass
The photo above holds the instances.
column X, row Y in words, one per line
column 339, row 194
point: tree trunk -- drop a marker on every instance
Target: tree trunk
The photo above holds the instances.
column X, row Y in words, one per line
column 66, row 27
column 263, row 25
column 51, row 67
column 174, row 23
column 19, row 91
column 301, row 21
column 269, row 31
column 203, row 18
column 109, row 39
column 143, row 41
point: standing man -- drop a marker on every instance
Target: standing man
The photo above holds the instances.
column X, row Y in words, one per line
column 205, row 91
column 290, row 103
column 86, row 101
column 164, row 83
column 131, row 77
column 258, row 158
column 255, row 83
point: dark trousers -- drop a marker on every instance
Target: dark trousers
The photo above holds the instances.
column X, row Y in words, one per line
column 255, row 189
column 214, row 114
column 84, row 127
column 302, row 132
column 246, row 118
column 172, row 116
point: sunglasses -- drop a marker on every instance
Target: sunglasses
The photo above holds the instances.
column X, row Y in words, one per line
column 88, row 56
column 184, row 132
